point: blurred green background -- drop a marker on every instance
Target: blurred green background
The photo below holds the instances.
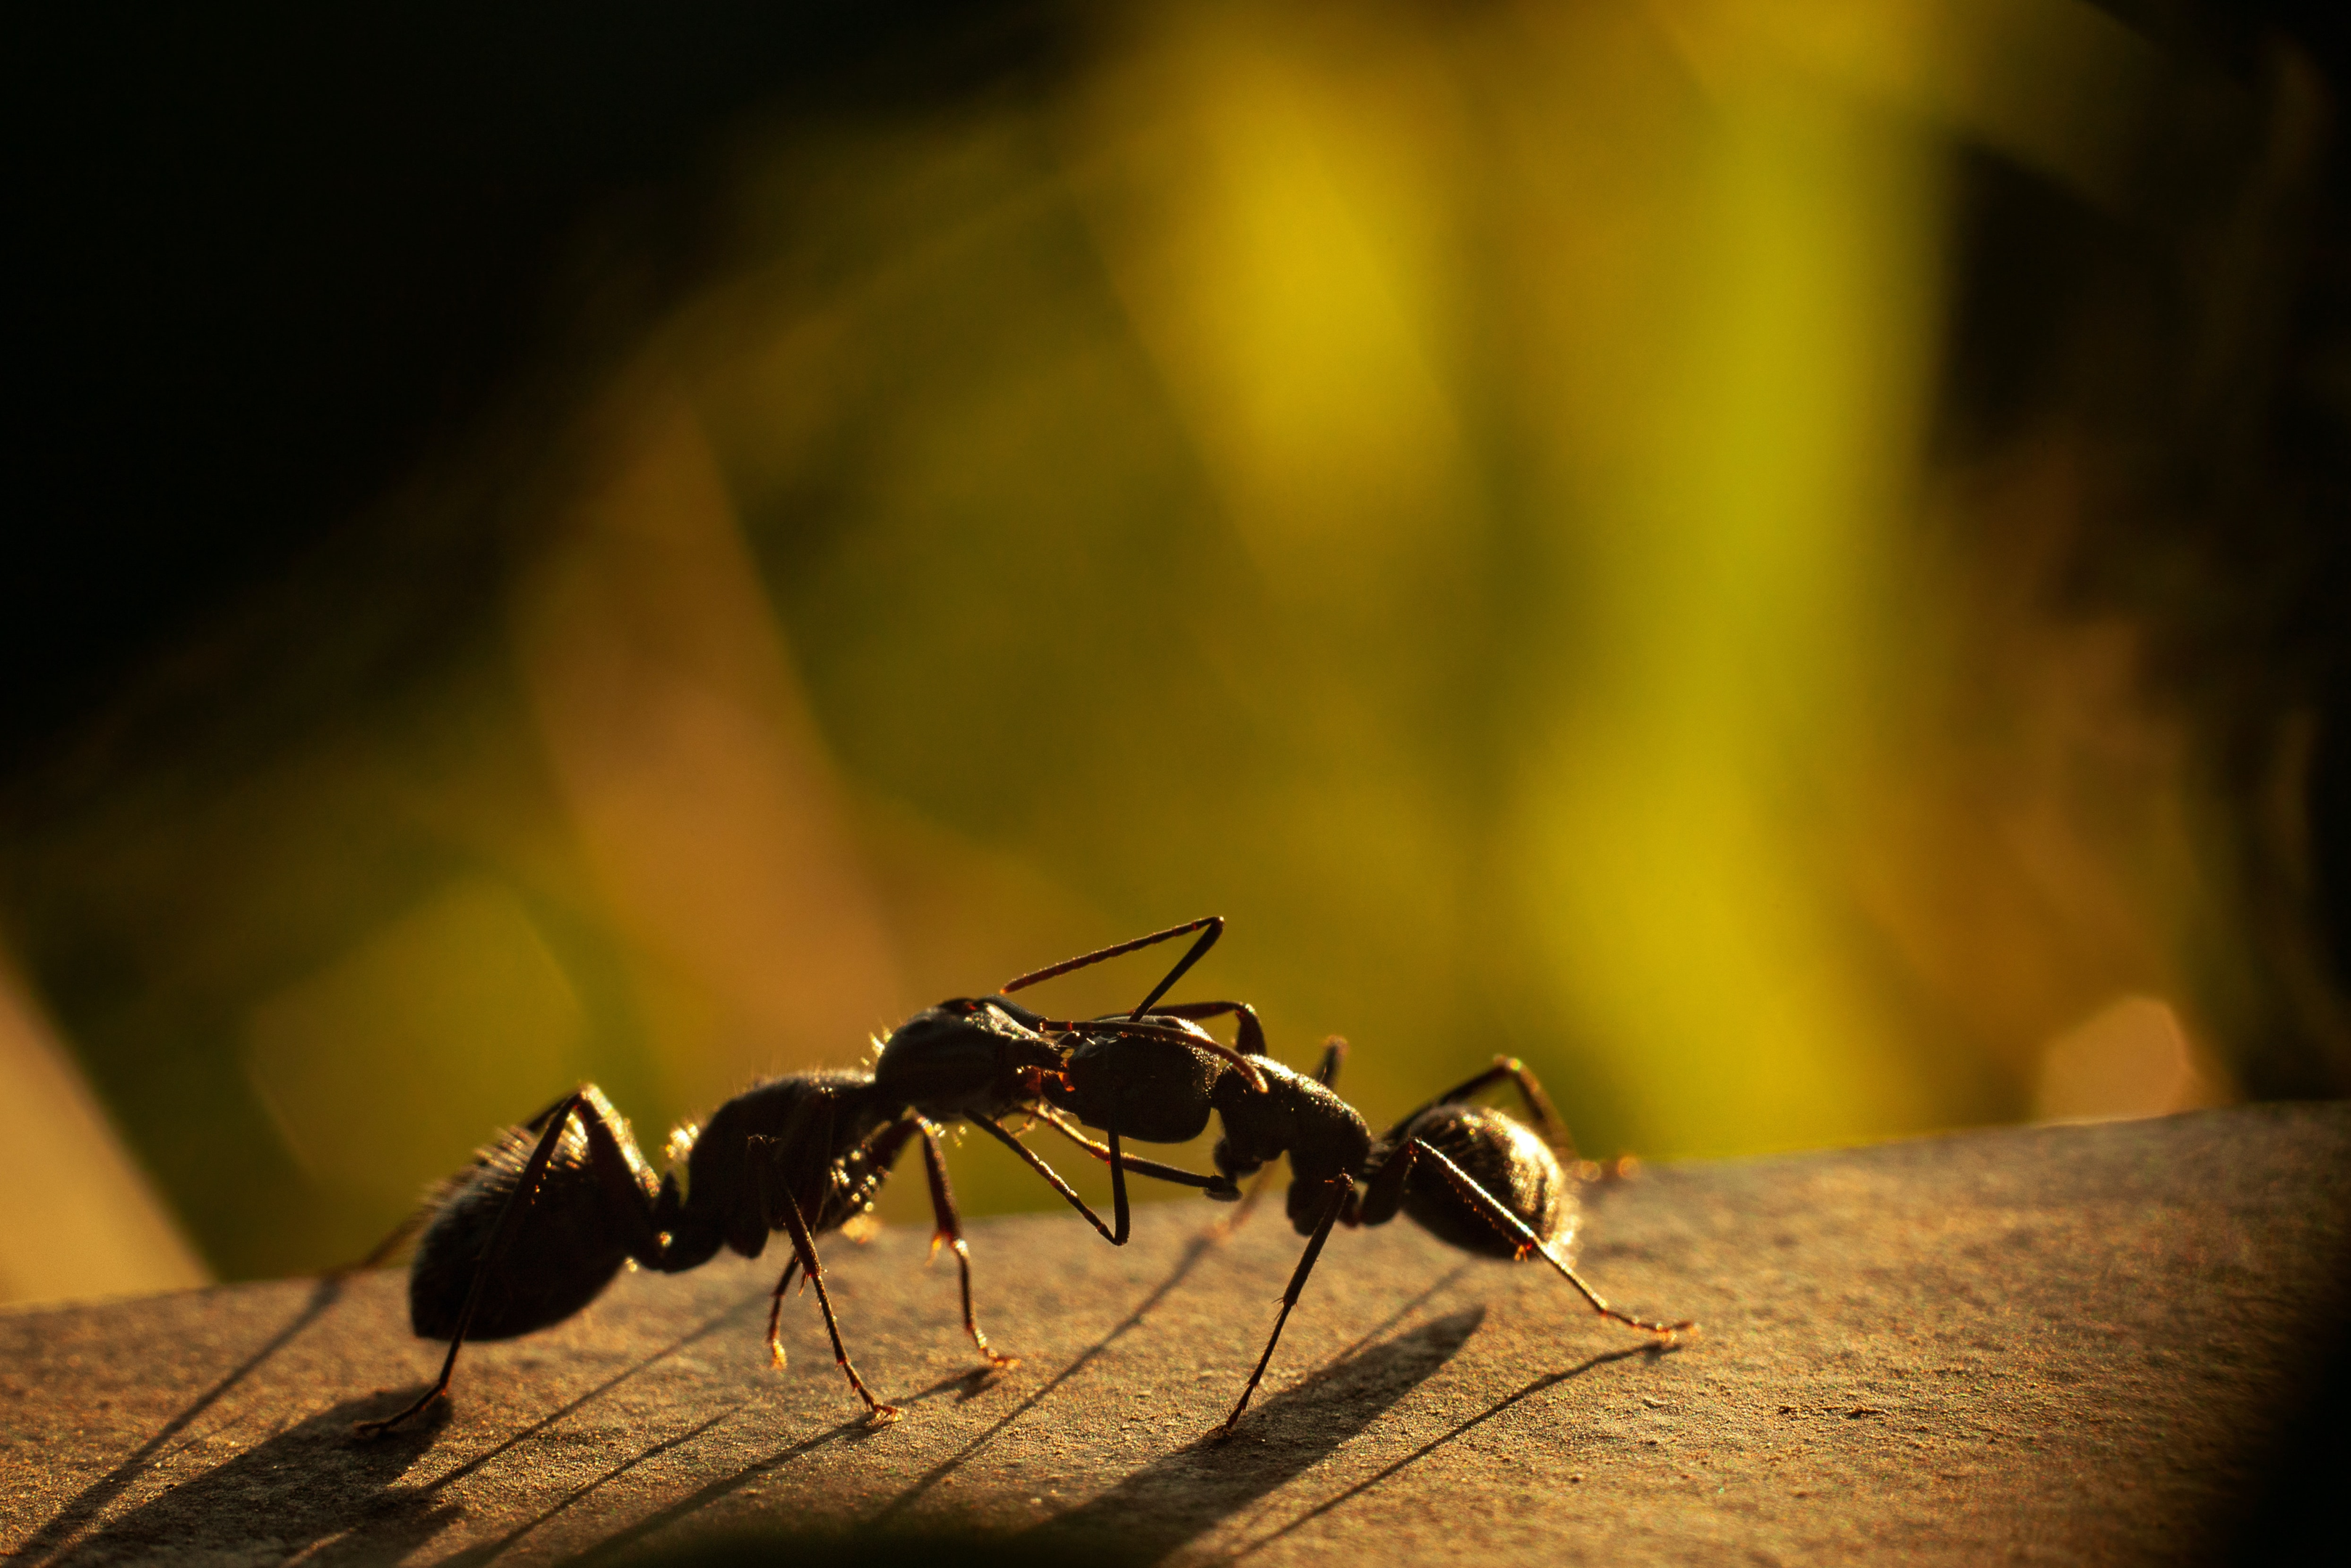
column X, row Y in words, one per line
column 1772, row 560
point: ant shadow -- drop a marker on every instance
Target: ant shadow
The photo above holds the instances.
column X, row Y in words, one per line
column 71, row 1519
column 312, row 1483
column 1145, row 1518
column 616, row 1546
column 1547, row 1381
column 707, row 1327
column 965, row 1386
column 310, row 1492
column 890, row 1512
column 489, row 1551
column 1155, row 1512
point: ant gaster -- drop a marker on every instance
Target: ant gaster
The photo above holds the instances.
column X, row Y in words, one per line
column 545, row 1220
column 1471, row 1174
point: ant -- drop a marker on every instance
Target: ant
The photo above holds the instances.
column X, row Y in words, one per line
column 1472, row 1175
column 545, row 1218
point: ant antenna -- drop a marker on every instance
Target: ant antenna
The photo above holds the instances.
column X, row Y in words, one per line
column 1209, row 926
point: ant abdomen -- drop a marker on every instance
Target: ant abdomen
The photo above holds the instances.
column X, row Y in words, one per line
column 1506, row 1157
column 575, row 1243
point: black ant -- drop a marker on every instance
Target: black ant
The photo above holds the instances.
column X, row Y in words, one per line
column 1472, row 1175
column 545, row 1220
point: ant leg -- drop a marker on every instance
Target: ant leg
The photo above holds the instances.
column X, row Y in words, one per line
column 1120, row 1024
column 603, row 1152
column 1383, row 1185
column 1115, row 1237
column 803, row 1261
column 776, row 1310
column 804, row 1254
column 950, row 1232
column 1223, row 1229
column 1210, row 927
column 1335, row 1056
column 1177, row 1176
column 1529, row 1244
column 1540, row 1110
column 776, row 1357
column 885, row 1145
column 1249, row 1034
column 1342, row 1189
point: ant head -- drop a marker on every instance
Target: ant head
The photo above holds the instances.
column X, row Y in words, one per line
column 965, row 1057
column 1042, row 1084
column 1031, row 1060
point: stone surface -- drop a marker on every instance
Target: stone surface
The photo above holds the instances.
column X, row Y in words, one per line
column 2059, row 1343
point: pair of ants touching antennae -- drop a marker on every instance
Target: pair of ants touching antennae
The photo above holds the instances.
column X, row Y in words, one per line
column 543, row 1221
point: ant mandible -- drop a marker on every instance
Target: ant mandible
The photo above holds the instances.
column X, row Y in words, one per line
column 544, row 1219
column 1472, row 1175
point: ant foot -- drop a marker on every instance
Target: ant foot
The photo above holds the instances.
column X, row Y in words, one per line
column 1670, row 1334
column 879, row 1415
column 368, row 1431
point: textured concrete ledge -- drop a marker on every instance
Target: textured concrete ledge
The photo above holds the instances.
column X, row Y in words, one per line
column 2066, row 1344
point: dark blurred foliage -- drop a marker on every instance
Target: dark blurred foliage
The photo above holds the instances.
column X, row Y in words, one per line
column 2234, row 541
column 2202, row 337
column 269, row 258
column 271, row 263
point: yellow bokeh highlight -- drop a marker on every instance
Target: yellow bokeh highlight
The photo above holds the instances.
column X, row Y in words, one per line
column 1265, row 227
column 388, row 1067
column 1679, row 876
